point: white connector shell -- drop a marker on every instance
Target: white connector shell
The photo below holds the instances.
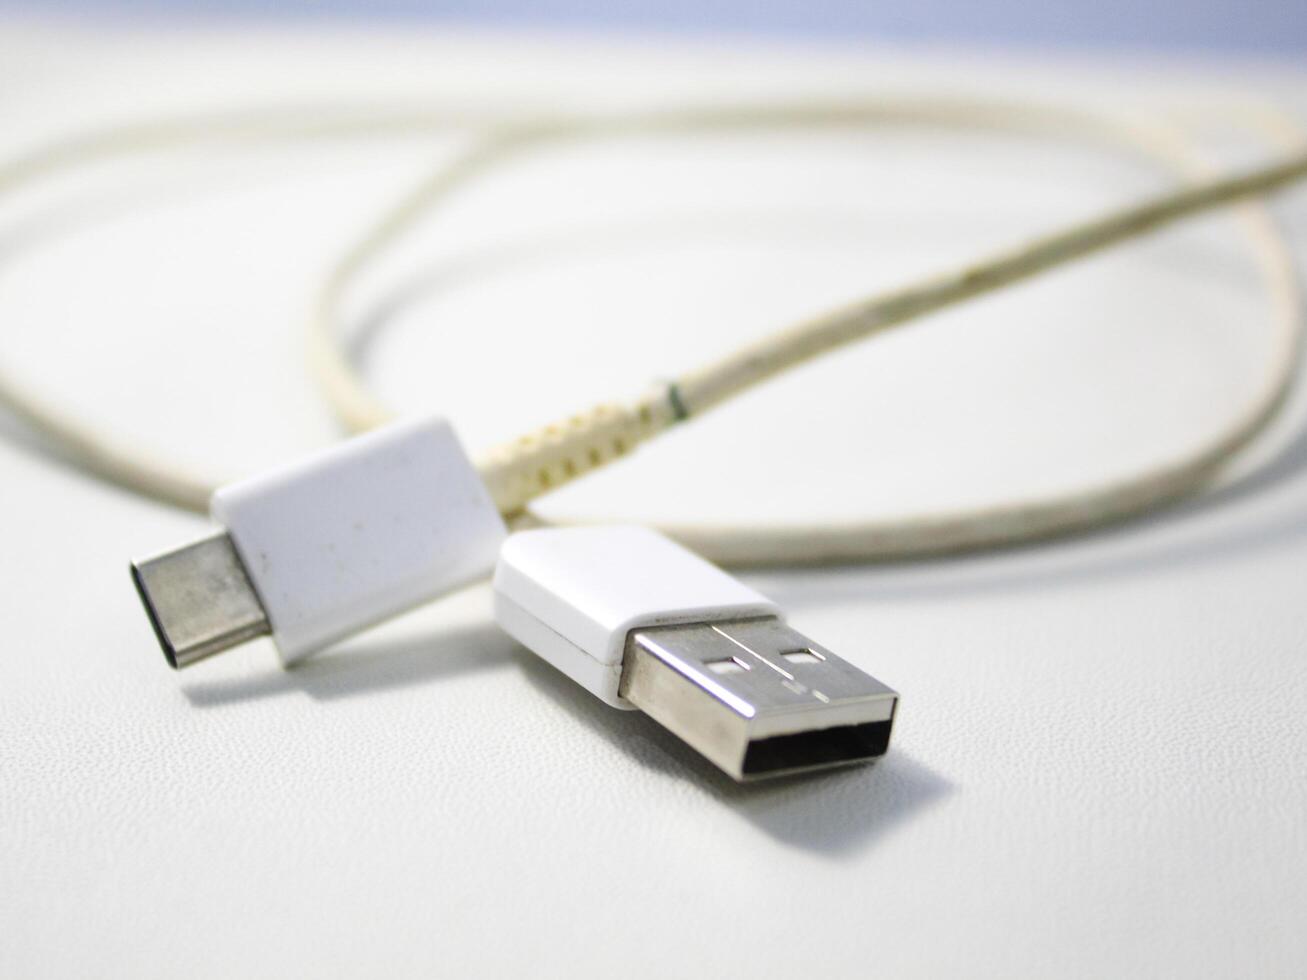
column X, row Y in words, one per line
column 361, row 531
column 573, row 595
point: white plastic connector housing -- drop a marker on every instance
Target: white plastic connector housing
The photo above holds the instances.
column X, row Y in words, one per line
column 642, row 623
column 573, row 595
column 362, row 531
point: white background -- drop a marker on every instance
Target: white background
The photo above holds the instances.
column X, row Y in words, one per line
column 1098, row 766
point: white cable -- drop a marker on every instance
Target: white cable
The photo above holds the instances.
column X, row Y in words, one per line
column 541, row 461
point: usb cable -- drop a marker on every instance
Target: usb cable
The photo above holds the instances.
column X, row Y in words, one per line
column 540, row 461
column 331, row 544
column 545, row 459
column 328, row 545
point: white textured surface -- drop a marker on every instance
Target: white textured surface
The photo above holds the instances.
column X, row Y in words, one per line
column 1099, row 760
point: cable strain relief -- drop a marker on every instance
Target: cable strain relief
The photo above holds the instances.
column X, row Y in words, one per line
column 543, row 460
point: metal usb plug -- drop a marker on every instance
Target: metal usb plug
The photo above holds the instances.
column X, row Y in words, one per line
column 643, row 623
column 756, row 697
column 199, row 599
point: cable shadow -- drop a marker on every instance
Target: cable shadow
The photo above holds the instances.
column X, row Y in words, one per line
column 17, row 434
column 368, row 667
column 831, row 813
column 1058, row 562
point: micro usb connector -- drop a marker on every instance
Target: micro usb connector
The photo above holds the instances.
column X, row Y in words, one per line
column 326, row 545
column 643, row 623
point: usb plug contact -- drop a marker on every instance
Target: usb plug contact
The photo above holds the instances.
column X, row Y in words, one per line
column 756, row 697
column 644, row 624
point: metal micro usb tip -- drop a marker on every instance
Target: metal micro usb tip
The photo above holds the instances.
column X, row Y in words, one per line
column 756, row 697
column 199, row 599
